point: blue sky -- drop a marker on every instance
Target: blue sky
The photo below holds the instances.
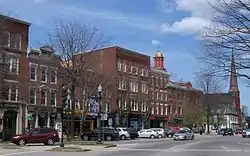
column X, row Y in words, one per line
column 140, row 25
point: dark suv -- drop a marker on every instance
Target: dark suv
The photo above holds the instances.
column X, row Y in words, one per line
column 48, row 136
column 228, row 131
column 106, row 133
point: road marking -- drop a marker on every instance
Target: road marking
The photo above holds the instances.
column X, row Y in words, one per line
column 223, row 147
column 185, row 150
column 17, row 153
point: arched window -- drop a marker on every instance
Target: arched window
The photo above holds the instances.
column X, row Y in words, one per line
column 6, row 38
column 17, row 41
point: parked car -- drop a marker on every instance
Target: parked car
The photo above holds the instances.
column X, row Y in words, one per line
column 246, row 133
column 123, row 133
column 184, row 135
column 148, row 133
column 107, row 133
column 228, row 131
column 160, row 132
column 133, row 133
column 221, row 131
column 48, row 136
column 169, row 133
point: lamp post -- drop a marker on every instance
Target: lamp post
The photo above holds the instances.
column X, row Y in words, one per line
column 99, row 114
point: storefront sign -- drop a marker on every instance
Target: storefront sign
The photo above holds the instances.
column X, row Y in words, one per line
column 9, row 105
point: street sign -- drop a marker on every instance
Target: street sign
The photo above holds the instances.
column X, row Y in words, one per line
column 29, row 117
column 93, row 107
column 104, row 116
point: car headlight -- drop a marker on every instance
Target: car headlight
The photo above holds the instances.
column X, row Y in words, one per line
column 15, row 137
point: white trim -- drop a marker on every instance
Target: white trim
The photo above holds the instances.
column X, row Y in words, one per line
column 11, row 81
column 33, row 65
column 46, row 73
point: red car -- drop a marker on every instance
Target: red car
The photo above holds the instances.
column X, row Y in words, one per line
column 48, row 136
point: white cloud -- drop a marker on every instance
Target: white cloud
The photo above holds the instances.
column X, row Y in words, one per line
column 186, row 25
column 201, row 12
column 155, row 42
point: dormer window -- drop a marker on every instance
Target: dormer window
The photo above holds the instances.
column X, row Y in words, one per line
column 6, row 38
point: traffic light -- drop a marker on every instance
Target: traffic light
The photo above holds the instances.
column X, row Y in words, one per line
column 64, row 97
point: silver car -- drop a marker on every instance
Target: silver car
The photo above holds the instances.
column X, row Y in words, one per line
column 184, row 135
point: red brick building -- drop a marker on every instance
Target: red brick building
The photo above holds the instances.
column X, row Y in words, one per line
column 44, row 87
column 169, row 99
column 14, row 75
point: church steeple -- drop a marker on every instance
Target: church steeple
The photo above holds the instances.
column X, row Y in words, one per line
column 233, row 76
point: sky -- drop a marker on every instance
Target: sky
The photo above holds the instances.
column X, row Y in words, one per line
column 172, row 26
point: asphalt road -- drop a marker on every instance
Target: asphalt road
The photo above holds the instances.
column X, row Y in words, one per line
column 201, row 146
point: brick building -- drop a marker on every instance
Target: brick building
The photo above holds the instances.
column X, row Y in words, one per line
column 169, row 99
column 14, row 75
column 43, row 102
column 128, row 75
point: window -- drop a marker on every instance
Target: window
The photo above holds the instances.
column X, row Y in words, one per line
column 77, row 105
column 122, row 104
column 133, row 86
column 17, row 41
column 133, row 70
column 157, row 95
column 6, row 38
column 43, row 97
column 53, row 76
column 179, row 110
column 166, row 110
column 162, row 110
column 11, row 92
column 143, row 106
column 157, row 109
column 53, row 98
column 169, row 109
column 134, row 105
column 119, row 65
column 122, row 84
column 32, row 95
column 107, row 107
column 152, row 110
column 144, row 88
column 14, row 65
column 33, row 75
column 44, row 74
column 142, row 72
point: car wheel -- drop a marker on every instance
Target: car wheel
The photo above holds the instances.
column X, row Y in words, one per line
column 50, row 142
column 170, row 136
column 108, row 138
column 123, row 137
column 21, row 142
column 152, row 136
column 160, row 136
column 85, row 138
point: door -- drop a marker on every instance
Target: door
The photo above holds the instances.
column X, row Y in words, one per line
column 9, row 124
column 142, row 133
column 148, row 133
column 34, row 136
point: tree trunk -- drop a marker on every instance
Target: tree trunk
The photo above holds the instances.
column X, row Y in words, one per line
column 72, row 125
column 208, row 124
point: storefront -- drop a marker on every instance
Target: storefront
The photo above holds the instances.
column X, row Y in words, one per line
column 12, row 119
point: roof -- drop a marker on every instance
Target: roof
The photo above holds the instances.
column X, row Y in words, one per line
column 129, row 51
column 156, row 70
column 181, row 85
column 158, row 54
column 14, row 20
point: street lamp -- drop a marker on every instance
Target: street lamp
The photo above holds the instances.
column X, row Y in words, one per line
column 99, row 88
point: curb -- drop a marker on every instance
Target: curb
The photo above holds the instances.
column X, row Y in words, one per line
column 110, row 146
column 68, row 149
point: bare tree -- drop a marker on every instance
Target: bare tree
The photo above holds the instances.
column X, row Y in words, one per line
column 229, row 30
column 245, row 110
column 208, row 84
column 76, row 44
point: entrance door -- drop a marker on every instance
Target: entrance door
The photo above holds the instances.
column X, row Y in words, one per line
column 9, row 124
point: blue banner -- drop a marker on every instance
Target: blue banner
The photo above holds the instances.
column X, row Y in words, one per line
column 93, row 107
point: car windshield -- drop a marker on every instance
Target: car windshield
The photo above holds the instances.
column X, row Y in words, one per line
column 125, row 129
column 183, row 131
